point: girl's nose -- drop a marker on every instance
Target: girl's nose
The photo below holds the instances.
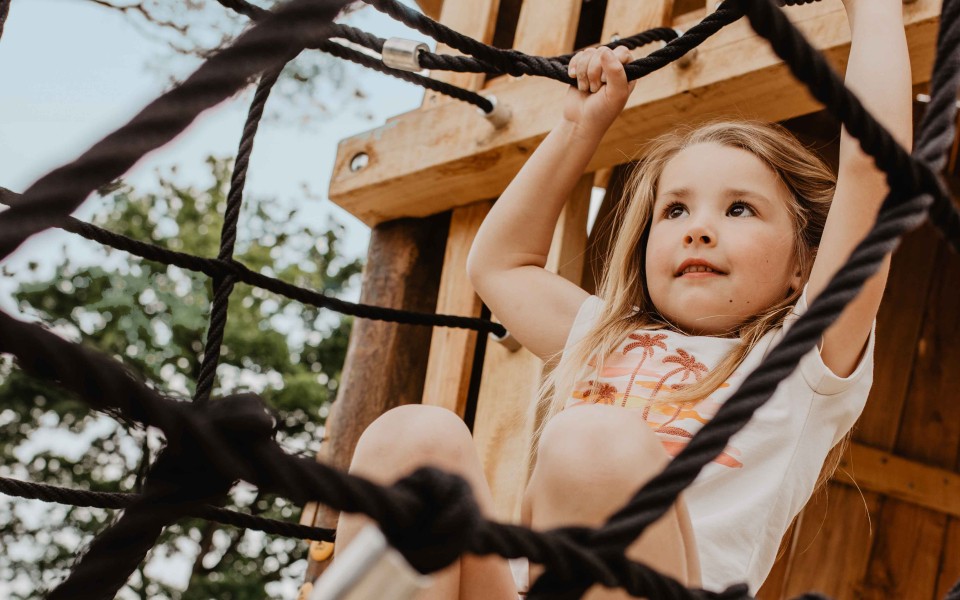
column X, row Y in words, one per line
column 699, row 235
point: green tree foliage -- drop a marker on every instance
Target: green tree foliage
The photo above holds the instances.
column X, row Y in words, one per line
column 153, row 318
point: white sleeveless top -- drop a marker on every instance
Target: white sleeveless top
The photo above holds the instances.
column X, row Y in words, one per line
column 743, row 502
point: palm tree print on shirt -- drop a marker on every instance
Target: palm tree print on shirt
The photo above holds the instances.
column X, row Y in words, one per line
column 689, row 365
column 648, row 342
column 606, row 393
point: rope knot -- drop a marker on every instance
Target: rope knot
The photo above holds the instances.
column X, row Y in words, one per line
column 184, row 472
column 441, row 525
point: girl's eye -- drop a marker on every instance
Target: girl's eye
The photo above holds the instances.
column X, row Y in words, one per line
column 672, row 211
column 741, row 209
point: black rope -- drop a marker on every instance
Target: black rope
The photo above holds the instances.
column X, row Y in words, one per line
column 223, row 285
column 516, row 63
column 294, row 26
column 413, row 513
column 216, row 268
column 430, row 516
column 4, row 11
column 115, row 500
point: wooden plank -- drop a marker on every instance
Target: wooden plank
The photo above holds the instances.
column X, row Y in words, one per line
column 452, row 350
column 473, row 18
column 899, row 325
column 833, row 545
column 431, row 8
column 624, row 18
column 896, row 477
column 506, row 405
column 906, row 554
column 909, row 543
column 432, row 159
column 950, row 560
column 547, row 27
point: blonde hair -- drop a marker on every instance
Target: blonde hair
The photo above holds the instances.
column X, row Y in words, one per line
column 627, row 305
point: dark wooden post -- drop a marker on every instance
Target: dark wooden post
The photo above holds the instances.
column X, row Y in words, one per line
column 386, row 362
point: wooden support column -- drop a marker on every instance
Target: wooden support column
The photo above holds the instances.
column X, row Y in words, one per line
column 386, row 362
column 452, row 350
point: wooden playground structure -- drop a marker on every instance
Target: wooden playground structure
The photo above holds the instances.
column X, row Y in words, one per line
column 888, row 525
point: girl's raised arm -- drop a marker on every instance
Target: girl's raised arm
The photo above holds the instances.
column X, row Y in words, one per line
column 506, row 262
column 878, row 72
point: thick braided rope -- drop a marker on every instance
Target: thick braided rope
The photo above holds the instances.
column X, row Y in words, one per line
column 223, row 285
column 447, row 89
column 517, row 63
column 897, row 217
column 400, row 510
column 294, row 26
column 216, row 268
column 360, row 37
column 114, row 500
column 939, row 123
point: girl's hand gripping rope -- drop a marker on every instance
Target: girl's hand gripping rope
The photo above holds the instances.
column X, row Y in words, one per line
column 602, row 88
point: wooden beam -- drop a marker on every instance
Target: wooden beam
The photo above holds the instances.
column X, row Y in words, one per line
column 890, row 475
column 431, row 8
column 474, row 18
column 452, row 350
column 428, row 161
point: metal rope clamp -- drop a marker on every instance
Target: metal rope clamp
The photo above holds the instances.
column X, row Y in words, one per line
column 500, row 116
column 509, row 342
column 369, row 569
column 403, row 54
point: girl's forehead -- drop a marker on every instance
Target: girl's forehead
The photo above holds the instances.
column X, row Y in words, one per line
column 711, row 159
column 709, row 165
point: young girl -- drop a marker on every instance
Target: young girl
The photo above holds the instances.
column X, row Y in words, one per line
column 727, row 234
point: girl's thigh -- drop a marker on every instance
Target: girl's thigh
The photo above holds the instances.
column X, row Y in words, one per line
column 591, row 461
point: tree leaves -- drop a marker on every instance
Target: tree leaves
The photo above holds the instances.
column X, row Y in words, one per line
column 154, row 319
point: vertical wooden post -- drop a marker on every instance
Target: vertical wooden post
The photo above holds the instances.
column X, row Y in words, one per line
column 452, row 351
column 505, row 410
column 386, row 362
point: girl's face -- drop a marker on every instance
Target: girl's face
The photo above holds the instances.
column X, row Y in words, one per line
column 721, row 243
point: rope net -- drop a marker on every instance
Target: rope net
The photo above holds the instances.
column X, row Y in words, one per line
column 429, row 516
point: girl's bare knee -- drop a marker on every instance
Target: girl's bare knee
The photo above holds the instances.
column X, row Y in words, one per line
column 412, row 435
column 598, row 446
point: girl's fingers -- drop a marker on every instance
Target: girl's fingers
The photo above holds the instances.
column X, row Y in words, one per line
column 613, row 70
column 623, row 54
column 595, row 68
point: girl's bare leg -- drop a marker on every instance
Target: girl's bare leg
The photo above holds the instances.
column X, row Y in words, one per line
column 591, row 460
column 416, row 435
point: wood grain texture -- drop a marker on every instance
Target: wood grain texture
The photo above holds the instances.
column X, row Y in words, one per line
column 452, row 350
column 473, row 18
column 432, row 160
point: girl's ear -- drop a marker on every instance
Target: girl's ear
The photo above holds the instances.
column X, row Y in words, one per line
column 796, row 282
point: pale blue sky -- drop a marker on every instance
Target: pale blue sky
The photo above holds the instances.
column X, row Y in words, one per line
column 71, row 72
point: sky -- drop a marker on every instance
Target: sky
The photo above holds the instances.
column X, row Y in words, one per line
column 72, row 72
